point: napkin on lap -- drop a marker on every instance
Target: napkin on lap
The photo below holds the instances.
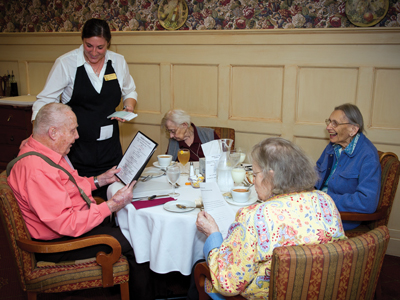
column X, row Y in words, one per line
column 151, row 203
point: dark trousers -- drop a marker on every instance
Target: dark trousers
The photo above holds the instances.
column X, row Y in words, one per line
column 139, row 274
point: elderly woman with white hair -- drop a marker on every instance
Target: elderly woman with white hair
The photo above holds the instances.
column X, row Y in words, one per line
column 291, row 213
column 349, row 167
column 184, row 134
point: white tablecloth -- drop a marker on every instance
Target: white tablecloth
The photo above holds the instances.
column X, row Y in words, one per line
column 169, row 241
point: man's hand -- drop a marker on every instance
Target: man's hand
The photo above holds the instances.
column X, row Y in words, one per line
column 108, row 177
column 121, row 198
column 206, row 224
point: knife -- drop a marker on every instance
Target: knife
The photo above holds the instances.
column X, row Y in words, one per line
column 149, row 197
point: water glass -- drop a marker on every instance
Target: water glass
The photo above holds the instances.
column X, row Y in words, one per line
column 173, row 173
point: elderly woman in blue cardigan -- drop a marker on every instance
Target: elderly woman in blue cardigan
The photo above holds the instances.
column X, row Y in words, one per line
column 184, row 134
column 349, row 167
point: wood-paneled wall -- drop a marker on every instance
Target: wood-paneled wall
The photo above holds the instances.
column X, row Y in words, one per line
column 261, row 83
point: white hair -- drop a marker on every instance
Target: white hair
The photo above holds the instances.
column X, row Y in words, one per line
column 178, row 116
column 50, row 115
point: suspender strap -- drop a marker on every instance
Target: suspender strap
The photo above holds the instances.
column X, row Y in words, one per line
column 53, row 164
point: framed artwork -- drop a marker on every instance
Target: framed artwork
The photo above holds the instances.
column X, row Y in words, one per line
column 172, row 14
column 366, row 12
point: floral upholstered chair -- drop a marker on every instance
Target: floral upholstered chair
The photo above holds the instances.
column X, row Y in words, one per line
column 105, row 270
column 390, row 166
column 347, row 269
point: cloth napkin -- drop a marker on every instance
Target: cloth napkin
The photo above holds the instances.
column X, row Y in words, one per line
column 151, row 203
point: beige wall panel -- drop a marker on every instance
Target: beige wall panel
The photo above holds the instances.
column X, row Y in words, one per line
column 37, row 75
column 195, row 89
column 312, row 146
column 321, row 89
column 386, row 99
column 198, row 71
column 129, row 130
column 246, row 141
column 305, row 55
column 147, row 81
column 256, row 93
column 37, row 51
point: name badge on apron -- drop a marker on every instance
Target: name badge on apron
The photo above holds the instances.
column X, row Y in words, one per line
column 112, row 76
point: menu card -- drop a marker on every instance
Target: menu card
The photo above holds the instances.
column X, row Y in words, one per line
column 212, row 153
column 215, row 204
column 136, row 158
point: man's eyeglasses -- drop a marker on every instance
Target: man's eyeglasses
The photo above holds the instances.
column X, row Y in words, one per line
column 333, row 123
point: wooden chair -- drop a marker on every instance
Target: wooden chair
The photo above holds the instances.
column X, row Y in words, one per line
column 224, row 133
column 104, row 270
column 390, row 166
column 346, row 269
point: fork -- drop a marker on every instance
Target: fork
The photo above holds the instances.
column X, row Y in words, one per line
column 184, row 206
column 147, row 178
column 144, row 178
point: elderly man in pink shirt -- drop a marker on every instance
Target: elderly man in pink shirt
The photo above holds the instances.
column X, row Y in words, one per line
column 51, row 203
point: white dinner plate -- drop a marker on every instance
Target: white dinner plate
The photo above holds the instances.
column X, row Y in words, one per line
column 157, row 165
column 171, row 206
column 251, row 201
column 152, row 173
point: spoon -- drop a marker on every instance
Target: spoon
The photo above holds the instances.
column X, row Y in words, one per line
column 184, row 206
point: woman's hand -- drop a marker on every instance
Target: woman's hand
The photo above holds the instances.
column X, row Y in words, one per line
column 108, row 177
column 206, row 224
column 121, row 198
column 129, row 106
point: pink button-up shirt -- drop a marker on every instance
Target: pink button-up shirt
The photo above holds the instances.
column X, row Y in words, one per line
column 50, row 203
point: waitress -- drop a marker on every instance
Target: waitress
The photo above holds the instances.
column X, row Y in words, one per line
column 92, row 80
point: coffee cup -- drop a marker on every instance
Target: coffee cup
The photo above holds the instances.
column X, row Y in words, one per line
column 240, row 194
column 164, row 160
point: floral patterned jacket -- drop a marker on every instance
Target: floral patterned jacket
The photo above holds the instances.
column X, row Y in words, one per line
column 241, row 263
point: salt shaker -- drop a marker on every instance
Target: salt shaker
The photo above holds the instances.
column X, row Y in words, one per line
column 191, row 170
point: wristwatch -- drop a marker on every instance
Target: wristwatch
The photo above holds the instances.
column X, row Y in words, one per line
column 128, row 106
column 96, row 182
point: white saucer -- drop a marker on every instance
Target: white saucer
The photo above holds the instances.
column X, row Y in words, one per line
column 171, row 206
column 153, row 173
column 251, row 200
column 157, row 165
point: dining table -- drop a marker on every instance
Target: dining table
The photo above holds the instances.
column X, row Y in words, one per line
column 167, row 239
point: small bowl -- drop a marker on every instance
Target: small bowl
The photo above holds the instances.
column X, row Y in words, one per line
column 196, row 182
column 240, row 194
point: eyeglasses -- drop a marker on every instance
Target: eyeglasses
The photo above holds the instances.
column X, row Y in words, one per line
column 172, row 131
column 334, row 123
column 255, row 174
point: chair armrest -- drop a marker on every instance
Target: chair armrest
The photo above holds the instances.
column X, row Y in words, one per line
column 352, row 216
column 201, row 272
column 98, row 200
column 106, row 261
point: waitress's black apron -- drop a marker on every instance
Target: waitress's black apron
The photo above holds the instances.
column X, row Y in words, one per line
column 89, row 156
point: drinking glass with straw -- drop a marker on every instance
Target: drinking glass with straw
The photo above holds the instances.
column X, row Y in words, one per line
column 183, row 157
